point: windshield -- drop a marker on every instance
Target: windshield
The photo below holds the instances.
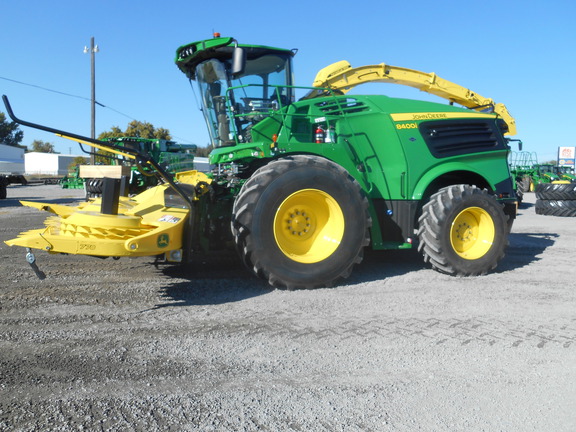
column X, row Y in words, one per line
column 231, row 106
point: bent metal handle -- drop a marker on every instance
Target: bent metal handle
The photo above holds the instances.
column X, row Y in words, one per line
column 89, row 141
column 140, row 157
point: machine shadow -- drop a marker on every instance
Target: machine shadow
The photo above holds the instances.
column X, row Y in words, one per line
column 379, row 265
column 224, row 279
column 15, row 202
column 211, row 280
column 524, row 249
column 525, row 205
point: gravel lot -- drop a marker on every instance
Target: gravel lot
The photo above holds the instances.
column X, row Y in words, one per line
column 123, row 345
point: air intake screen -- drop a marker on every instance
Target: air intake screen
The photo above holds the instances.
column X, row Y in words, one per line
column 341, row 106
column 453, row 138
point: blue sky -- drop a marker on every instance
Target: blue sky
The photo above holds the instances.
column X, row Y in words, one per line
column 520, row 53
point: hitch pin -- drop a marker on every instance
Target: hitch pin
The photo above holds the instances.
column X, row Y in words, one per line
column 31, row 259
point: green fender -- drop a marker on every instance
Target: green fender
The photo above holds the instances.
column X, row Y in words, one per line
column 474, row 169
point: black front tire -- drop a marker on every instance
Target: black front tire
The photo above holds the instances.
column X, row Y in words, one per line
column 301, row 222
column 462, row 231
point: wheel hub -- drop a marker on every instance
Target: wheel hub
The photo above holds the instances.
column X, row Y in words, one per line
column 299, row 223
column 465, row 233
column 308, row 226
column 472, row 233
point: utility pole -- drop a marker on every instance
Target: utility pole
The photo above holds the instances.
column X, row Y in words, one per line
column 92, row 50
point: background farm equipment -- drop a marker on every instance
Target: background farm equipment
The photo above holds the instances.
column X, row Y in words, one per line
column 173, row 157
column 72, row 180
column 8, row 179
column 528, row 173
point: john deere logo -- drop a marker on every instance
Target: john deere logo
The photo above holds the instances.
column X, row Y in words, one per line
column 163, row 240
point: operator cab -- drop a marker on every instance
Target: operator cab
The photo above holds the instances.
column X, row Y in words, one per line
column 240, row 85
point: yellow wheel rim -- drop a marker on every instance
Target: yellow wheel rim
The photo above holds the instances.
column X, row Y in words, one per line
column 472, row 233
column 309, row 226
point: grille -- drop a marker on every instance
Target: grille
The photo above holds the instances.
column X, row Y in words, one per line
column 460, row 137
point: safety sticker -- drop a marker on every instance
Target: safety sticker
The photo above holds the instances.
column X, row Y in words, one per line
column 169, row 219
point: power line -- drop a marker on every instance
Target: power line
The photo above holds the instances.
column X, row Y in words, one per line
column 44, row 88
column 66, row 94
column 77, row 97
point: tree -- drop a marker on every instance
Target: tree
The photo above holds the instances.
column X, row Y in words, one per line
column 115, row 132
column 203, row 151
column 78, row 160
column 9, row 132
column 136, row 129
column 146, row 130
column 42, row 147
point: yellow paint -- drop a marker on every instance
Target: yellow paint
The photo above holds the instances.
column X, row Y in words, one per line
column 472, row 233
column 309, row 226
column 436, row 116
column 134, row 231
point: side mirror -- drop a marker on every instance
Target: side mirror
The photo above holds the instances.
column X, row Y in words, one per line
column 238, row 61
column 518, row 141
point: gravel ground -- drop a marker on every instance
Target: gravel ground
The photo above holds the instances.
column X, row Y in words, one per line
column 124, row 345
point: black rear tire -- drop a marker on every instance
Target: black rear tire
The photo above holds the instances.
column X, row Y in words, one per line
column 462, row 231
column 301, row 222
column 556, row 191
column 562, row 208
column 523, row 185
column 94, row 186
